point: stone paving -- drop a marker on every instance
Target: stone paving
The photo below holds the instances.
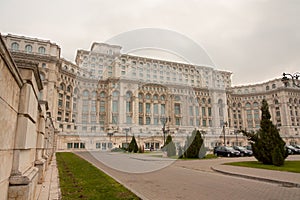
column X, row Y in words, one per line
column 192, row 179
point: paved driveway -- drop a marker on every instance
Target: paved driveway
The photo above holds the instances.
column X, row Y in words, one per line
column 193, row 179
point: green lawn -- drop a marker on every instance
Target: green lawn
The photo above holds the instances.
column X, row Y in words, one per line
column 81, row 180
column 289, row 166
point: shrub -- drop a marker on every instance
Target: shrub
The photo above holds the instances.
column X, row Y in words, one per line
column 133, row 147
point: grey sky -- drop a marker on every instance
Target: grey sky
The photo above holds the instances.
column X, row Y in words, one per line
column 257, row 40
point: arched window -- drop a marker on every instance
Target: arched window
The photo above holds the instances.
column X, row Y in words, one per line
column 248, row 105
column 42, row 50
column 94, row 94
column 267, row 87
column 28, row 48
column 255, row 104
column 115, row 94
column 203, row 100
column 155, row 97
column 69, row 88
column 141, row 95
column 162, row 97
column 15, row 46
column 128, row 94
column 76, row 91
column 276, row 101
column 148, row 96
column 209, row 101
column 102, row 94
column 274, row 86
column 85, row 93
column 62, row 86
column 177, row 98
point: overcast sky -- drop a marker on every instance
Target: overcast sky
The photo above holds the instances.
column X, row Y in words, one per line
column 257, row 40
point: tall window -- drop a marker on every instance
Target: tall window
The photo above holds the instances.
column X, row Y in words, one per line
column 163, row 109
column 148, row 108
column 115, row 106
column 177, row 109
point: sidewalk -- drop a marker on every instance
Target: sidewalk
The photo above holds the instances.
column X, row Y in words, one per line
column 287, row 179
column 49, row 189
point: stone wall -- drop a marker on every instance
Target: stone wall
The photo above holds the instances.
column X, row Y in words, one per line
column 27, row 134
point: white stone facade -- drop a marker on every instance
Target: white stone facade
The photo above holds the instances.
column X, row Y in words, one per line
column 108, row 95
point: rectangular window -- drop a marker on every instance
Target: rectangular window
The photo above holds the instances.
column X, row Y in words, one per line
column 209, row 111
column 82, row 145
column 115, row 119
column 128, row 106
column 103, row 146
column 155, row 121
column 128, row 119
column 191, row 111
column 115, row 106
column 155, row 109
column 177, row 121
column 70, row 145
column 102, row 106
column 148, row 108
column 197, row 111
column 98, row 145
column 60, row 103
column 141, row 108
column 203, row 111
column 148, row 120
column 162, row 109
column 204, row 122
column 76, row 145
column 141, row 121
column 177, row 109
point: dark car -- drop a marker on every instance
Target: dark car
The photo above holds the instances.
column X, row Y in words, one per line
column 226, row 151
column 297, row 146
column 243, row 151
column 292, row 150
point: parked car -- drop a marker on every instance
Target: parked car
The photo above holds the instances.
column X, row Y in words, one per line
column 297, row 146
column 226, row 151
column 292, row 150
column 243, row 151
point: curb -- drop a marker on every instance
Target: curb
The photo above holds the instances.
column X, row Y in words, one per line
column 283, row 183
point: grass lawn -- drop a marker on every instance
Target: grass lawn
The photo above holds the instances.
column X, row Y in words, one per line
column 81, row 180
column 289, row 166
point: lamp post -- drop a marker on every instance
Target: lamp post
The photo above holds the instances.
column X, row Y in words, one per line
column 236, row 138
column 126, row 132
column 295, row 77
column 164, row 120
column 224, row 124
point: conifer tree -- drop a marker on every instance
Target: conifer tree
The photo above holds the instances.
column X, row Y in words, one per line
column 267, row 145
column 194, row 145
column 133, row 146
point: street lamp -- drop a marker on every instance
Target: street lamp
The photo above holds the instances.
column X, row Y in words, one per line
column 236, row 138
column 295, row 77
column 126, row 131
column 224, row 124
column 164, row 120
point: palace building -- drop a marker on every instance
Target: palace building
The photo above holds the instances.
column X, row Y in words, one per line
column 104, row 97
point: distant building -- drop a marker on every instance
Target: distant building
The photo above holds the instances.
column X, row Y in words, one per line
column 106, row 97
